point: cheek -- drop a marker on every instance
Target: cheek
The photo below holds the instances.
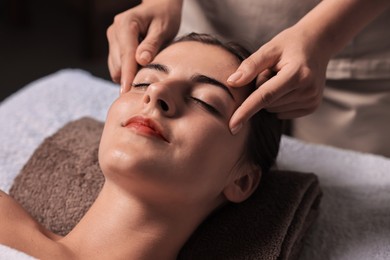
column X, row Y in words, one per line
column 209, row 159
column 111, row 156
column 112, row 148
column 208, row 147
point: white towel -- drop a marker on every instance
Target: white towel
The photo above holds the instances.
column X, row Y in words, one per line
column 41, row 108
column 354, row 222
column 8, row 253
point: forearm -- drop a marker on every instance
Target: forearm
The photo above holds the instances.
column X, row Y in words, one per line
column 333, row 23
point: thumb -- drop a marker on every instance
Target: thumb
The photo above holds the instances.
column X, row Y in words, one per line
column 252, row 66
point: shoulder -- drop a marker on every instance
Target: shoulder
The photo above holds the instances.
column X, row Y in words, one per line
column 20, row 231
column 14, row 217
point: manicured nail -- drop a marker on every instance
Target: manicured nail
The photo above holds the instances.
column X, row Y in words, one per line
column 122, row 88
column 236, row 129
column 235, row 76
column 146, row 57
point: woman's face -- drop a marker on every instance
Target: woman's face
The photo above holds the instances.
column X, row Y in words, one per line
column 169, row 135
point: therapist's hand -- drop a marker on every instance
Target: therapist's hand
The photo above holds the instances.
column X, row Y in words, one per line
column 137, row 35
column 290, row 71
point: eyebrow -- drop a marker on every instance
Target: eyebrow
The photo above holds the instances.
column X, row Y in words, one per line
column 197, row 78
column 158, row 67
column 208, row 80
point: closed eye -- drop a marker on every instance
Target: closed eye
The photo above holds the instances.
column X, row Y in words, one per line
column 205, row 105
column 140, row 85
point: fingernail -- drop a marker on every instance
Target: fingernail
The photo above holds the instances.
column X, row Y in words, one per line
column 235, row 76
column 122, row 89
column 236, row 129
column 146, row 57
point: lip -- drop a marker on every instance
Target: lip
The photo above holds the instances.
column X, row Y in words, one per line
column 145, row 126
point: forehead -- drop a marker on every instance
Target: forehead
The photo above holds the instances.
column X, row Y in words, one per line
column 200, row 57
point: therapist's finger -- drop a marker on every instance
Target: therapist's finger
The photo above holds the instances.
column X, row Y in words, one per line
column 128, row 43
column 306, row 104
column 263, row 77
column 248, row 70
column 269, row 92
column 310, row 96
column 153, row 41
column 114, row 65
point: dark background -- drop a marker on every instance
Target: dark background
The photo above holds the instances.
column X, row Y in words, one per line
column 40, row 37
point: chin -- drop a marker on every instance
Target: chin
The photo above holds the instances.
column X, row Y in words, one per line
column 115, row 162
column 126, row 163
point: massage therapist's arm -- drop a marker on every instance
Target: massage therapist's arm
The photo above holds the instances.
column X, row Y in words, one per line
column 299, row 56
column 156, row 22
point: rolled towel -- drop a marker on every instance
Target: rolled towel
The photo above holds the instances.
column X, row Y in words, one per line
column 62, row 179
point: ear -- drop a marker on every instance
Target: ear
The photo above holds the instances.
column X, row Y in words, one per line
column 241, row 187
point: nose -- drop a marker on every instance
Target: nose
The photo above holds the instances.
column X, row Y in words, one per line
column 164, row 97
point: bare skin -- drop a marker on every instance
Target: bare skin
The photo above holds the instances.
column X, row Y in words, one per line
column 157, row 21
column 19, row 230
column 159, row 185
column 298, row 55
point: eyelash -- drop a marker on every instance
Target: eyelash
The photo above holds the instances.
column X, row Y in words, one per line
column 205, row 105
column 140, row 85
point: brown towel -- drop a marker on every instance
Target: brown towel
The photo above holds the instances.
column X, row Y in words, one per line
column 62, row 179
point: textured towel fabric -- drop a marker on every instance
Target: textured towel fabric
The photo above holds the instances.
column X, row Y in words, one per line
column 62, row 179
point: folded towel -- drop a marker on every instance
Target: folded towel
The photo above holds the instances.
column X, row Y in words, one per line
column 62, row 179
column 7, row 253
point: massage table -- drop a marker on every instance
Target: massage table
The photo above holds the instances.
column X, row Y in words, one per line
column 354, row 219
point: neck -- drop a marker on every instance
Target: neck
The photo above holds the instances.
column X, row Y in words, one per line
column 119, row 226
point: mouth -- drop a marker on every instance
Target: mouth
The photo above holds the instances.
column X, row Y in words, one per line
column 145, row 126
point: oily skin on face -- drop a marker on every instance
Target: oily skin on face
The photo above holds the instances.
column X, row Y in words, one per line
column 168, row 157
column 180, row 93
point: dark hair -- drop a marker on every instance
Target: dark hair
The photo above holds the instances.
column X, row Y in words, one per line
column 266, row 129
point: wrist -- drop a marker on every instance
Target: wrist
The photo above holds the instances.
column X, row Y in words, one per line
column 180, row 2
column 306, row 41
column 172, row 5
column 333, row 23
column 323, row 30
